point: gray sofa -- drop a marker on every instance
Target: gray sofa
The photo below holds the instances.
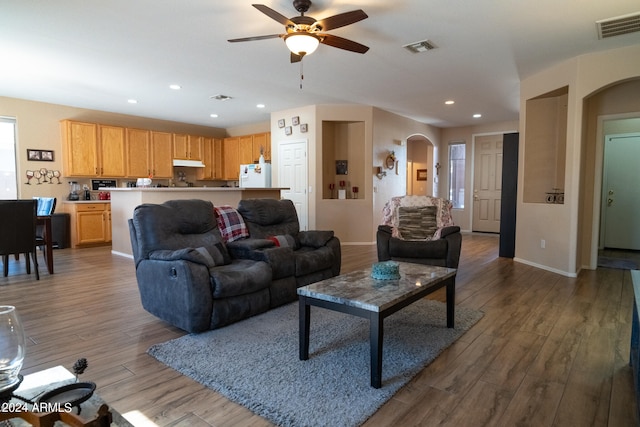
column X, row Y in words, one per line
column 306, row 257
column 188, row 277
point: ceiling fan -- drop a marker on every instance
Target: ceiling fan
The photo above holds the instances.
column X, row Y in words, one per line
column 304, row 33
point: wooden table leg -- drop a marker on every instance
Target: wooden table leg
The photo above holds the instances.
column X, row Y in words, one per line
column 48, row 245
column 304, row 318
column 376, row 336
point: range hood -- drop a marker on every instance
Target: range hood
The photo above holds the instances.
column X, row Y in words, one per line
column 188, row 163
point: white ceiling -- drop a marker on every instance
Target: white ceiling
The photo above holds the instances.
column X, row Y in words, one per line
column 97, row 54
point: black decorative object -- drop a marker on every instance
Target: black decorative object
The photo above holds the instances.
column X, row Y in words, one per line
column 342, row 167
column 80, row 366
column 73, row 394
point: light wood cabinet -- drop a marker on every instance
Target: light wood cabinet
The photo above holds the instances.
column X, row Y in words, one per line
column 208, row 158
column 187, row 147
column 112, row 151
column 138, row 153
column 218, row 159
column 90, row 223
column 80, row 148
column 262, row 140
column 231, row 155
column 161, row 155
column 245, row 149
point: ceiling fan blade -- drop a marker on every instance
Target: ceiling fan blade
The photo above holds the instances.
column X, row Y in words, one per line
column 295, row 58
column 249, row 39
column 342, row 43
column 273, row 14
column 341, row 20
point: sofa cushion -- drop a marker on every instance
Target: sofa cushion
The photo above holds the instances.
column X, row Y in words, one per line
column 269, row 217
column 231, row 224
column 315, row 238
column 174, row 225
column 418, row 249
column 417, row 222
column 239, row 278
column 310, row 260
column 198, row 255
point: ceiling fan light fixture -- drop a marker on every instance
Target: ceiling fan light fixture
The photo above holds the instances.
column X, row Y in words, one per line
column 301, row 43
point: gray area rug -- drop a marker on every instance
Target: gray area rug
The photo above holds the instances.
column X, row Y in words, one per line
column 619, row 263
column 255, row 362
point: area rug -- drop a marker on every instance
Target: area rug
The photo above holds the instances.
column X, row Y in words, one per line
column 255, row 362
column 619, row 263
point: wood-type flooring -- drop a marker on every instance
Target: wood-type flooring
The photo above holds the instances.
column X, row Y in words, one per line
column 550, row 350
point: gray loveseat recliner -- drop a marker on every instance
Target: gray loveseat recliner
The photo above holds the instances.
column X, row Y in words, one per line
column 187, row 276
column 302, row 257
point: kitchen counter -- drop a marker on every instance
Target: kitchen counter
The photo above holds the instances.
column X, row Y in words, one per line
column 75, row 202
column 124, row 200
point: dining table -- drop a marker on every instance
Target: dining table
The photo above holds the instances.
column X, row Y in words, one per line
column 45, row 222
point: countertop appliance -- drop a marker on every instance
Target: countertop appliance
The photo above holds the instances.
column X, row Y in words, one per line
column 255, row 176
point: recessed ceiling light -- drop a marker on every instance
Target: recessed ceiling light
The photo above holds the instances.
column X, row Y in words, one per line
column 449, row 102
column 214, row 115
column 132, row 101
column 260, row 105
column 175, row 87
column 477, row 116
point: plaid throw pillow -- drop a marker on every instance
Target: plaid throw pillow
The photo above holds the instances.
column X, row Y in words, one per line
column 230, row 223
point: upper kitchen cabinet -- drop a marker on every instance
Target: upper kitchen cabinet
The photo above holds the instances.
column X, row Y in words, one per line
column 161, row 155
column 245, row 149
column 212, row 159
column 80, row 146
column 231, row 154
column 138, row 153
column 187, row 147
column 112, row 151
column 262, row 141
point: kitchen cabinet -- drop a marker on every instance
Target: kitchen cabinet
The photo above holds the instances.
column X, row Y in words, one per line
column 90, row 223
column 80, row 148
column 262, row 140
column 245, row 149
column 161, row 155
column 138, row 153
column 208, row 158
column 218, row 159
column 112, row 153
column 187, row 147
column 231, row 153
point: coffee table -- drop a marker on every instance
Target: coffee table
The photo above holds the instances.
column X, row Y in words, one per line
column 358, row 294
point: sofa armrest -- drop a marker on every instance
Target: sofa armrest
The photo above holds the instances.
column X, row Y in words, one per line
column 383, row 236
column 178, row 292
column 449, row 230
column 315, row 238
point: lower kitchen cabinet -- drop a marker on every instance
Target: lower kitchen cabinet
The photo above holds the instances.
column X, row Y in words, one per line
column 90, row 223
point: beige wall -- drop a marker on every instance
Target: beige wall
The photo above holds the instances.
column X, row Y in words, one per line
column 38, row 127
column 559, row 225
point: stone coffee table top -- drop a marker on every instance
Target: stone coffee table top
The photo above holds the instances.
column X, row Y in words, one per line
column 359, row 289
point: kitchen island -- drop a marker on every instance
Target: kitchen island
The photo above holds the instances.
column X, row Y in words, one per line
column 125, row 200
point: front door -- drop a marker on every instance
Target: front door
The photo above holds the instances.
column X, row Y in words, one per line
column 487, row 183
column 621, row 193
column 292, row 173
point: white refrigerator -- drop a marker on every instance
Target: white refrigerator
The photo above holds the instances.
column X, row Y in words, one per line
column 255, row 176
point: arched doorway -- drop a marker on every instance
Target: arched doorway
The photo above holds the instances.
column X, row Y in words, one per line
column 421, row 174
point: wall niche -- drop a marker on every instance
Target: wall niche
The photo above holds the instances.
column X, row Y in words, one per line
column 343, row 154
column 545, row 149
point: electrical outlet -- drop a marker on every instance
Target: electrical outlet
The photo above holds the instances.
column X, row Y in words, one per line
column 543, row 243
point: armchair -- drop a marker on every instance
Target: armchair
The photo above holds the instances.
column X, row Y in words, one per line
column 419, row 229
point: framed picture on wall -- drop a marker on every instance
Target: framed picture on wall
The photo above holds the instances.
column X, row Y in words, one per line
column 288, row 130
column 46, row 155
column 33, row 154
column 281, row 123
column 295, row 120
column 421, row 175
column 303, row 127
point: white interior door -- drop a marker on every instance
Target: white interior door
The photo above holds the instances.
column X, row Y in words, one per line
column 621, row 192
column 292, row 173
column 487, row 183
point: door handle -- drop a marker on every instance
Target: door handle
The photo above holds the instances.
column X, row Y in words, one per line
column 609, row 201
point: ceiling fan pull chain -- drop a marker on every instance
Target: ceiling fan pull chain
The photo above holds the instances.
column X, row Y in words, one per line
column 301, row 74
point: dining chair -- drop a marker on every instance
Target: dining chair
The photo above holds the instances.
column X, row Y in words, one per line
column 46, row 207
column 18, row 232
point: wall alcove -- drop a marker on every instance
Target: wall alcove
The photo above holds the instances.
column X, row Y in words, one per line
column 546, row 130
column 343, row 159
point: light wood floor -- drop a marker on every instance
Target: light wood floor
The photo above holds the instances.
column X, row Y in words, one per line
column 550, row 350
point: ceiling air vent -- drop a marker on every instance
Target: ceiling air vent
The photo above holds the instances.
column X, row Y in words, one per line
column 220, row 97
column 419, row 47
column 618, row 26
